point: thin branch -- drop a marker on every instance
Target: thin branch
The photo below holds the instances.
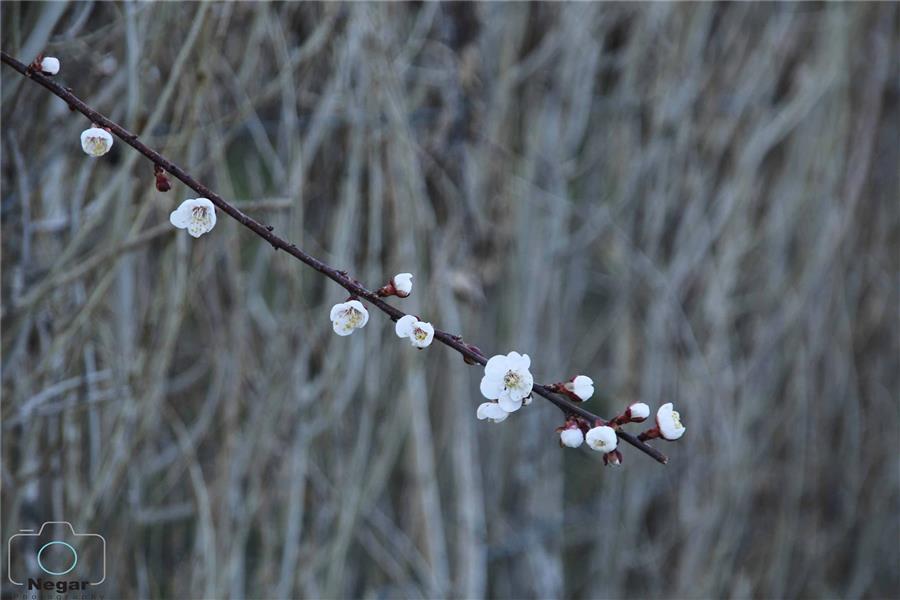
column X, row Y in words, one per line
column 340, row 277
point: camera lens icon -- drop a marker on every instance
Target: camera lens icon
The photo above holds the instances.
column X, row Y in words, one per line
column 56, row 556
column 56, row 550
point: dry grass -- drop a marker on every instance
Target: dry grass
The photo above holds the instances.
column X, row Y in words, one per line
column 690, row 203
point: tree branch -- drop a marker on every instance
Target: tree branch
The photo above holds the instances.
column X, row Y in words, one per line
column 340, row 277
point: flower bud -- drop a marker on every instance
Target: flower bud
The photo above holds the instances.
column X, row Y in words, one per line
column 581, row 388
column 162, row 181
column 402, row 284
column 637, row 412
column 571, row 436
column 612, row 459
column 50, row 65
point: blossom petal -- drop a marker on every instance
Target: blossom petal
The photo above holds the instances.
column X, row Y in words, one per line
column 341, row 328
column 497, row 366
column 520, row 362
column 492, row 411
column 429, row 330
column 491, row 387
column 404, row 326
column 336, row 310
column 508, row 403
column 180, row 217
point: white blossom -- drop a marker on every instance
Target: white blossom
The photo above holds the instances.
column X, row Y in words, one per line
column 638, row 412
column 669, row 422
column 419, row 332
column 582, row 386
column 507, row 380
column 347, row 316
column 197, row 215
column 50, row 65
column 491, row 411
column 96, row 141
column 402, row 284
column 572, row 438
column 602, row 439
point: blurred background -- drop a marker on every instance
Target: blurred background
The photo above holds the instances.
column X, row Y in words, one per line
column 691, row 203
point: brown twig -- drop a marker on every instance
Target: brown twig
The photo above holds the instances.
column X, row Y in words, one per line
column 279, row 243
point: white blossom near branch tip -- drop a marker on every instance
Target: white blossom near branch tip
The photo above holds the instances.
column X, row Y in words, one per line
column 669, row 422
column 491, row 411
column 572, row 437
column 507, row 380
column 197, row 215
column 347, row 316
column 638, row 411
column 402, row 284
column 95, row 141
column 418, row 332
column 582, row 386
column 50, row 65
column 602, row 439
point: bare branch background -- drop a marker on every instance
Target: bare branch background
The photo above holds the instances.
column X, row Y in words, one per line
column 690, row 203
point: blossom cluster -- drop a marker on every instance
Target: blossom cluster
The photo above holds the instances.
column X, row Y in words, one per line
column 602, row 436
column 347, row 317
column 95, row 140
column 507, row 383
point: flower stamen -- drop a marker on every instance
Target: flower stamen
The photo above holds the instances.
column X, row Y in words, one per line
column 511, row 380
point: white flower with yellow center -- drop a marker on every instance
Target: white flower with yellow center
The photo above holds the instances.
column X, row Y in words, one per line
column 582, row 386
column 197, row 215
column 491, row 411
column 602, row 439
column 669, row 422
column 95, row 141
column 50, row 65
column 419, row 332
column 347, row 316
column 507, row 380
column 572, row 437
column 402, row 284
